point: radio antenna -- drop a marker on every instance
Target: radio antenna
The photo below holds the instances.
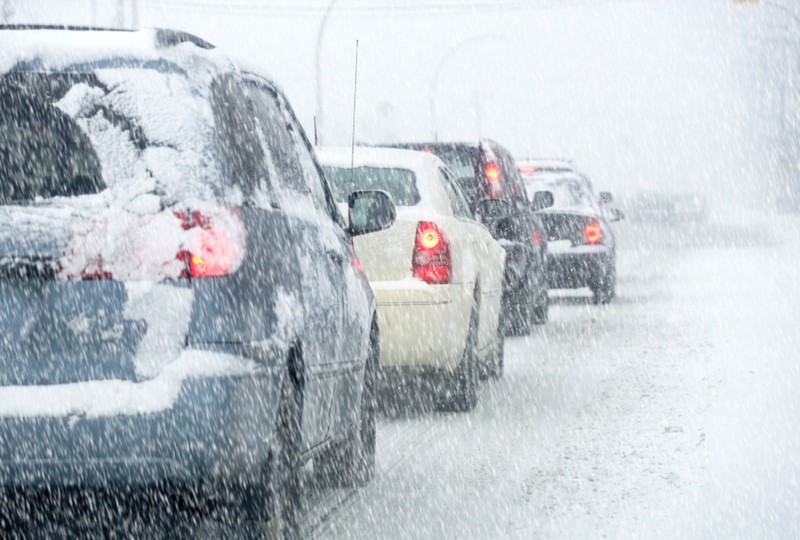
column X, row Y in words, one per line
column 353, row 141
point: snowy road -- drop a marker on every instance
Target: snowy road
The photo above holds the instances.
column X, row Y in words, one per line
column 673, row 411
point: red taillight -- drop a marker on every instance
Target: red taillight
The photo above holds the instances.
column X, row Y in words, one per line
column 536, row 238
column 212, row 251
column 155, row 247
column 493, row 178
column 427, row 151
column 593, row 233
column 431, row 258
column 492, row 172
column 527, row 169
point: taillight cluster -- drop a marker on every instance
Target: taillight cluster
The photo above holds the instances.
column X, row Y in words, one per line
column 431, row 258
column 167, row 245
column 592, row 232
column 493, row 179
column 211, row 252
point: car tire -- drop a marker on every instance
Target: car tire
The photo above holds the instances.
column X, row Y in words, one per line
column 498, row 356
column 519, row 315
column 272, row 504
column 604, row 288
column 541, row 311
column 460, row 392
column 352, row 463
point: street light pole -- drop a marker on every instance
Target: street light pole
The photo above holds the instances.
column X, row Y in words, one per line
column 318, row 67
column 447, row 56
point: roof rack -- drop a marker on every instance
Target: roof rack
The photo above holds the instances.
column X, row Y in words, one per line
column 170, row 38
column 164, row 36
column 61, row 27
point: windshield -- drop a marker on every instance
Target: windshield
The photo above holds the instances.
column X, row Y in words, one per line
column 401, row 184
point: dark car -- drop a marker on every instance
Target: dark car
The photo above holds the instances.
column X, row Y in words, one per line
column 491, row 183
column 581, row 250
column 179, row 300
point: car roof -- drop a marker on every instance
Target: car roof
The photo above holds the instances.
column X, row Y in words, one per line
column 52, row 47
column 544, row 165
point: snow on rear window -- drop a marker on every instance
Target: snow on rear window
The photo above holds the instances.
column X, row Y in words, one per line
column 136, row 130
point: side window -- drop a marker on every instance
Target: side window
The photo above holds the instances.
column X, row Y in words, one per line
column 457, row 200
column 284, row 168
column 238, row 136
column 316, row 181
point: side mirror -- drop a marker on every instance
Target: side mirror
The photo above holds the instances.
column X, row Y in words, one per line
column 542, row 200
column 605, row 197
column 615, row 214
column 370, row 211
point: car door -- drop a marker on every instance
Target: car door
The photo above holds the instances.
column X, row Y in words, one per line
column 355, row 309
column 320, row 262
column 488, row 256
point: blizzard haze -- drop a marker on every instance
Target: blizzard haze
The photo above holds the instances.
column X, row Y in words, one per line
column 642, row 94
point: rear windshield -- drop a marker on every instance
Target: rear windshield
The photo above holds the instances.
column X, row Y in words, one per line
column 566, row 193
column 401, row 184
column 134, row 129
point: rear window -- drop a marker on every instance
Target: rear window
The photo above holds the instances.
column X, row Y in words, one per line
column 566, row 193
column 43, row 151
column 401, row 184
column 135, row 129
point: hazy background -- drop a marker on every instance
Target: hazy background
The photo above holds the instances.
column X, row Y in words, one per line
column 673, row 95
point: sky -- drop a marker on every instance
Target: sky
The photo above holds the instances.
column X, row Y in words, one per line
column 641, row 94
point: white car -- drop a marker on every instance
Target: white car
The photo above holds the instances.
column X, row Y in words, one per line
column 437, row 273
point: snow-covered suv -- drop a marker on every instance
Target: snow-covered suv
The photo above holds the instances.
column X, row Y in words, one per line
column 179, row 299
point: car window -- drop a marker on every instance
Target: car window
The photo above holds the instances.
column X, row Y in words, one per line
column 43, row 152
column 311, row 172
column 401, row 184
column 237, row 130
column 281, row 160
column 457, row 201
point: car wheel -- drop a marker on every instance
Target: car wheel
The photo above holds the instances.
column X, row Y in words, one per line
column 604, row 288
column 275, row 503
column 519, row 315
column 352, row 463
column 498, row 356
column 540, row 312
column 461, row 385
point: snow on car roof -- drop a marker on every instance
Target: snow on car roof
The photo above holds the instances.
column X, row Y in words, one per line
column 58, row 48
column 422, row 164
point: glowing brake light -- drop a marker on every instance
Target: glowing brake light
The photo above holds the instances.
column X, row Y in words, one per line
column 431, row 259
column 536, row 238
column 492, row 173
column 592, row 232
column 214, row 247
column 427, row 151
column 527, row 169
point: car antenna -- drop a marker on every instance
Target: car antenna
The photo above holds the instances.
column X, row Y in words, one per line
column 353, row 141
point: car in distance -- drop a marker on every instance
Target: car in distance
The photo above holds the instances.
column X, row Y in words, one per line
column 180, row 302
column 488, row 176
column 581, row 247
column 437, row 273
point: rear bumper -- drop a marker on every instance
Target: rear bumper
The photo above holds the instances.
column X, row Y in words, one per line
column 422, row 325
column 219, row 427
column 571, row 270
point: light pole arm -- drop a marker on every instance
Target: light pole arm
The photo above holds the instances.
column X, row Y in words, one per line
column 318, row 65
column 435, row 79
